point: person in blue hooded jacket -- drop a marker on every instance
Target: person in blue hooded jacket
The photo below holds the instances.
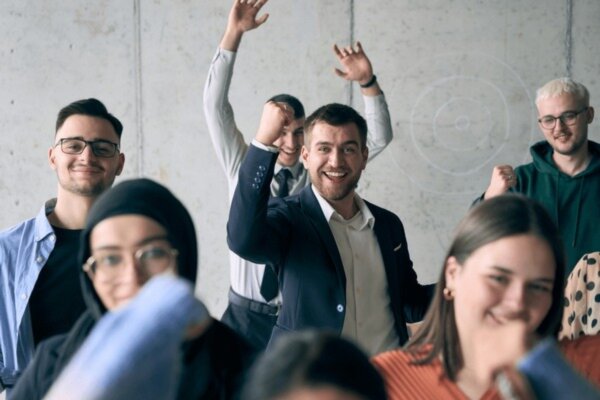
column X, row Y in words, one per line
column 565, row 173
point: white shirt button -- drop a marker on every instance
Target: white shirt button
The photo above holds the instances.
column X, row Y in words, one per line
column 39, row 259
column 340, row 308
column 52, row 238
column 23, row 296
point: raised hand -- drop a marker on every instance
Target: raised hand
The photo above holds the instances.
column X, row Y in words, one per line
column 242, row 18
column 274, row 118
column 496, row 351
column 356, row 65
column 503, row 178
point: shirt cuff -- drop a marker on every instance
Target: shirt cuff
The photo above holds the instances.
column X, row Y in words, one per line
column 226, row 53
column 261, row 146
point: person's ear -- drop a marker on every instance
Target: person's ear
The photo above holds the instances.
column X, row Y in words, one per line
column 365, row 154
column 121, row 164
column 590, row 115
column 51, row 157
column 451, row 271
column 304, row 153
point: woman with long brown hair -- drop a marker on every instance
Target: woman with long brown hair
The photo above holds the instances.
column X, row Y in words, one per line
column 505, row 267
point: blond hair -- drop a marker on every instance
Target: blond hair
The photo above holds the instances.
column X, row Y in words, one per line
column 557, row 87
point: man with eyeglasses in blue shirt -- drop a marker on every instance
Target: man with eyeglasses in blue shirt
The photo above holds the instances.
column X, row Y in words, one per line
column 565, row 173
column 39, row 275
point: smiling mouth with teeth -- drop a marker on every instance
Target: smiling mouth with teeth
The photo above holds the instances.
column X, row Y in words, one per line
column 333, row 174
column 562, row 136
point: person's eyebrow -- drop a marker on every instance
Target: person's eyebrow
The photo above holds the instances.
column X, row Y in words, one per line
column 140, row 243
column 509, row 271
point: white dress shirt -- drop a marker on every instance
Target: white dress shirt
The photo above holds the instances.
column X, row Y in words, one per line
column 368, row 318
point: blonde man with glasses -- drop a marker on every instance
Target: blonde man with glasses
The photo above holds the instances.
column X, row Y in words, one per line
column 565, row 173
column 39, row 276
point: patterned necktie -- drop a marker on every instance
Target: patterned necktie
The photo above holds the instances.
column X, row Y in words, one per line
column 269, row 287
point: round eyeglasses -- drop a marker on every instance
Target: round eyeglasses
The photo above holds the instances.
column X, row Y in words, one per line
column 100, row 148
column 150, row 260
column 568, row 118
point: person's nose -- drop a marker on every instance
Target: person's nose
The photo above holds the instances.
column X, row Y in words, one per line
column 515, row 301
column 297, row 140
column 133, row 271
column 336, row 158
column 559, row 125
column 87, row 153
column 287, row 141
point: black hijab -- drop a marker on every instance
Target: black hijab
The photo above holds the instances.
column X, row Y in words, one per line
column 150, row 199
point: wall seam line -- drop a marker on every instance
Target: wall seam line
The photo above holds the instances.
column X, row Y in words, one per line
column 137, row 45
column 350, row 88
column 569, row 39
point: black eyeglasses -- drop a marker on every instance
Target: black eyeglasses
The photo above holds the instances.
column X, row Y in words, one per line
column 100, row 148
column 568, row 118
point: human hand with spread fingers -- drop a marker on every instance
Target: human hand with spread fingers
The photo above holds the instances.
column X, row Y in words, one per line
column 242, row 18
column 357, row 67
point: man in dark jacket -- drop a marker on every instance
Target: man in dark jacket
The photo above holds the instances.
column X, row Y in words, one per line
column 565, row 173
column 343, row 263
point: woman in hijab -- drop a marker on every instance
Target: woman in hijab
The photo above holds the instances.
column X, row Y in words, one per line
column 134, row 232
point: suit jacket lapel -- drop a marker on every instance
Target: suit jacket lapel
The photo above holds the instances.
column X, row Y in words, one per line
column 310, row 206
column 386, row 246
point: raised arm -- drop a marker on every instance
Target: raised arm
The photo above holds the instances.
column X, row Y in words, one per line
column 357, row 67
column 252, row 232
column 503, row 178
column 227, row 140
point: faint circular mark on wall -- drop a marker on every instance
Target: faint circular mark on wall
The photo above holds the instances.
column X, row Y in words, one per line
column 469, row 118
column 460, row 114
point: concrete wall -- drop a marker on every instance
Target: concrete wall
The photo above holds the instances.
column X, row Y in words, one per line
column 459, row 76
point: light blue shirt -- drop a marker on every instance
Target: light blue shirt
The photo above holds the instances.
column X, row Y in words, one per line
column 135, row 352
column 552, row 377
column 24, row 250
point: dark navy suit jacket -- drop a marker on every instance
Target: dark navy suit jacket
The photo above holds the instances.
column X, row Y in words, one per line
column 293, row 234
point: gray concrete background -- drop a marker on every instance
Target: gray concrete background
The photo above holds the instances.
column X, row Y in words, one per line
column 460, row 78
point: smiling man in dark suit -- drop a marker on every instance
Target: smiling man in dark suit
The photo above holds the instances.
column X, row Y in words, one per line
column 343, row 263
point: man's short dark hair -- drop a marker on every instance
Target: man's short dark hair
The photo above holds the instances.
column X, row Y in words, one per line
column 310, row 360
column 91, row 107
column 336, row 114
column 290, row 101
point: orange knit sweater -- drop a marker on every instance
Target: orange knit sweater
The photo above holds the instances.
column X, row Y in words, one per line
column 408, row 381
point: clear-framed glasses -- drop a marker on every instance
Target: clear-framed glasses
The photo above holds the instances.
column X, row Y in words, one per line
column 100, row 148
column 568, row 118
column 150, row 260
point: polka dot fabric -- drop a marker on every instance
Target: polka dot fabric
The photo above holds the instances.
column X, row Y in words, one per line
column 582, row 299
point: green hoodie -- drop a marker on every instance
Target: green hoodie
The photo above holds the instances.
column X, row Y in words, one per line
column 572, row 201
